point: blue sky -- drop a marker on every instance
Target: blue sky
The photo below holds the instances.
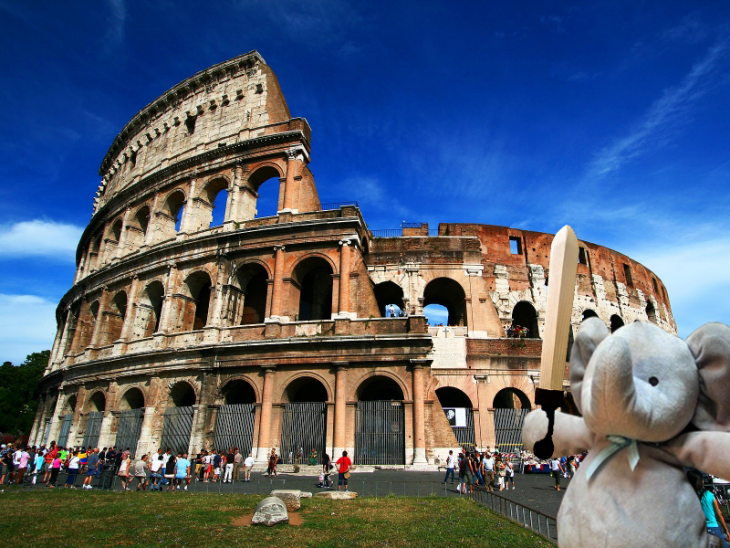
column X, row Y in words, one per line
column 610, row 116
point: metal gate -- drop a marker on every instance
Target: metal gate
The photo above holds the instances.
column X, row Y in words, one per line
column 380, row 433
column 93, row 429
column 234, row 427
column 465, row 434
column 304, row 427
column 130, row 427
column 508, row 429
column 177, row 428
column 47, row 432
column 66, row 421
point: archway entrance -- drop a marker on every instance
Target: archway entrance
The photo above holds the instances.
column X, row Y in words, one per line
column 179, row 418
column 511, row 406
column 305, row 419
column 235, row 420
column 66, row 420
column 525, row 315
column 248, row 295
column 387, row 294
column 314, row 278
column 458, row 409
column 450, row 294
column 380, row 423
column 616, row 323
column 94, row 416
column 130, row 420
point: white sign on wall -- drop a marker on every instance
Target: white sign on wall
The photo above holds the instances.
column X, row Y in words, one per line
column 456, row 416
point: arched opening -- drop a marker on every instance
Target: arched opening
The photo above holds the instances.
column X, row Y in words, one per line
column 132, row 399
column 94, row 261
column 115, row 318
column 511, row 406
column 389, row 294
column 616, row 323
column 457, row 407
column 525, row 315
column 588, row 313
column 173, row 211
column 379, row 422
column 265, row 202
column 92, row 419
column 142, row 219
column 66, row 419
column 237, row 392
column 116, row 232
column 70, row 406
column 149, row 311
column 97, row 402
column 436, row 315
column 182, row 395
column 248, row 297
column 304, row 424
column 651, row 312
column 129, row 428
column 85, row 331
column 511, row 398
column 216, row 194
column 178, row 420
column 314, row 278
column 305, row 389
column 449, row 294
column 196, row 310
column 235, row 419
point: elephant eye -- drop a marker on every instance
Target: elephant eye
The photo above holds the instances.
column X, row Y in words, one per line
column 653, row 381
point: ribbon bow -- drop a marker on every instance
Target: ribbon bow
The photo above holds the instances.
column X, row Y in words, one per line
column 617, row 443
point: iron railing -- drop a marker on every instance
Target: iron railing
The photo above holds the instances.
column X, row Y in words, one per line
column 66, row 421
column 177, row 428
column 304, row 428
column 538, row 522
column 380, row 433
column 234, row 427
column 398, row 232
column 337, row 205
column 93, row 429
column 129, row 429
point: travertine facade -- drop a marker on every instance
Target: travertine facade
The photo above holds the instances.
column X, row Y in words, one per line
column 273, row 328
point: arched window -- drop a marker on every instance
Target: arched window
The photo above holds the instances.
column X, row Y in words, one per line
column 389, row 294
column 449, row 294
column 264, row 200
column 616, row 323
column 379, row 388
column 97, row 402
column 248, row 298
column 182, row 395
column 458, row 408
column 195, row 315
column 511, row 398
column 305, row 389
column 651, row 312
column 116, row 233
column 114, row 319
column 172, row 214
column 314, row 278
column 525, row 315
column 149, row 311
column 142, row 220
column 216, row 195
column 132, row 399
column 238, row 391
column 588, row 313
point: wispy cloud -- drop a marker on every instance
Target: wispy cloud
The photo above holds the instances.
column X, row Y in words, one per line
column 27, row 324
column 117, row 19
column 40, row 238
column 663, row 118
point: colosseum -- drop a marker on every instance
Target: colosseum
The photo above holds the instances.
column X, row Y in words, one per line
column 304, row 329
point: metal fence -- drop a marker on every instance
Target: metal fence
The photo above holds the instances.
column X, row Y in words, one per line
column 380, row 433
column 508, row 429
column 177, row 428
column 93, row 429
column 304, row 428
column 398, row 233
column 234, row 427
column 465, row 434
column 540, row 523
column 337, row 205
column 66, row 421
column 129, row 429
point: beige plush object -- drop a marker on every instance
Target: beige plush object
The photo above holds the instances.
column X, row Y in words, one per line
column 640, row 391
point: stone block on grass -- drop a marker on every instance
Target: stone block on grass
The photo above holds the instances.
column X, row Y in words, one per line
column 270, row 511
column 336, row 495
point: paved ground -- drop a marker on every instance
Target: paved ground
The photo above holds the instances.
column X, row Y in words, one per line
column 532, row 490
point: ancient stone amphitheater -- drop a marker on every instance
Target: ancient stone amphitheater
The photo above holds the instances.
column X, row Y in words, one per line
column 272, row 331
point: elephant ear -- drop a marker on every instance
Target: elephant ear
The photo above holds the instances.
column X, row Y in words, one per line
column 710, row 346
column 590, row 334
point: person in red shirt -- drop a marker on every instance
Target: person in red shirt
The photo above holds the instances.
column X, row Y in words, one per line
column 343, row 467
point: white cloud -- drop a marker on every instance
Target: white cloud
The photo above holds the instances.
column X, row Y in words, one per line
column 655, row 129
column 117, row 19
column 27, row 324
column 697, row 276
column 40, row 238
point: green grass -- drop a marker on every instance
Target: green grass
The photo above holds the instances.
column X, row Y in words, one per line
column 73, row 518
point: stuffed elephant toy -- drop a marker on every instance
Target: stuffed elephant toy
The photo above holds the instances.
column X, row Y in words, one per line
column 651, row 405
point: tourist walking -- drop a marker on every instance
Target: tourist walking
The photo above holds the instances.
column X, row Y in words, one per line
column 273, row 459
column 228, row 474
column 23, row 458
column 92, row 467
column 124, row 469
column 140, row 472
column 247, row 466
column 73, row 465
column 38, row 465
column 466, row 475
column 556, row 470
column 716, row 525
column 449, row 467
column 326, row 471
column 510, row 477
column 343, row 468
column 55, row 469
column 237, row 462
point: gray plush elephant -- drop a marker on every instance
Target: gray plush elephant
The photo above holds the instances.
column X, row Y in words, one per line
column 651, row 404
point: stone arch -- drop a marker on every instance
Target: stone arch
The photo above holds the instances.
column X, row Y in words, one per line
column 93, row 260
column 214, row 194
column 114, row 318
column 450, row 396
column 387, row 293
column 196, row 309
column 149, row 310
column 258, row 202
column 142, row 219
column 588, row 313
column 115, row 232
column 239, row 389
column 249, row 292
column 651, row 312
column 133, row 398
column 182, row 394
column 69, row 405
column 306, row 387
column 313, row 283
column 525, row 315
column 511, row 398
column 263, row 172
column 171, row 214
column 616, row 322
column 86, row 324
column 95, row 402
column 380, row 385
column 450, row 294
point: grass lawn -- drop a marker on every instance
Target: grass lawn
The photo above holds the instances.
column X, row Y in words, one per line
column 74, row 518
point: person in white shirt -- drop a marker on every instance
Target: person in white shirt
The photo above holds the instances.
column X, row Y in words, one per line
column 489, row 472
column 155, row 471
column 449, row 467
column 247, row 465
column 556, row 470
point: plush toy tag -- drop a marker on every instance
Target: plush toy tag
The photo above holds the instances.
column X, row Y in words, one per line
column 617, row 443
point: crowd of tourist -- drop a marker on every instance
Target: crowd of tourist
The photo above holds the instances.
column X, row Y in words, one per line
column 486, row 469
column 517, row 332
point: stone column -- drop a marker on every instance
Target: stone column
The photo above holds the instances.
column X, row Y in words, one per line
column 277, row 298
column 166, row 322
column 419, row 416
column 105, row 433
column 344, row 292
column 75, row 433
column 121, row 251
column 37, row 422
column 291, row 159
column 130, row 314
column 188, row 216
column 340, row 409
column 56, row 417
column 152, row 229
column 61, row 350
column 99, row 322
column 262, row 453
column 202, row 412
column 146, row 440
